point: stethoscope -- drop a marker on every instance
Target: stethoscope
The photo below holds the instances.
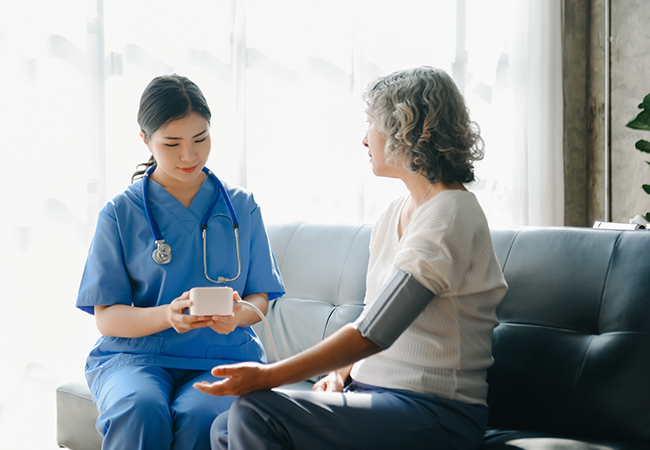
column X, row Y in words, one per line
column 162, row 254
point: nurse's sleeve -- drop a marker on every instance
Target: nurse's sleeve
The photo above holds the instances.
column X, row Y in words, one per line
column 105, row 280
column 263, row 271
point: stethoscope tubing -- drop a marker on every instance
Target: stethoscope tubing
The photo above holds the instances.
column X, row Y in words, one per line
column 157, row 235
column 162, row 253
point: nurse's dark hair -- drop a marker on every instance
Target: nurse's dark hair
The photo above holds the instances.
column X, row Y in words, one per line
column 167, row 98
column 426, row 123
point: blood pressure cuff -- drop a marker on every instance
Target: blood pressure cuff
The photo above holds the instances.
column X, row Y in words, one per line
column 397, row 305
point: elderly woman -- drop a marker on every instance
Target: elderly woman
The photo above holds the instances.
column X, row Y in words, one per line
column 411, row 371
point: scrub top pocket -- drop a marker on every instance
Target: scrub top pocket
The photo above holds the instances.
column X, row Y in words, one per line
column 250, row 350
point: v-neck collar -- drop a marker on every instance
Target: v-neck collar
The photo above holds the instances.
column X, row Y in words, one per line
column 417, row 211
column 191, row 216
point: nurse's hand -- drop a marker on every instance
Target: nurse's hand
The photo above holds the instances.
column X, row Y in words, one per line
column 182, row 322
column 227, row 324
column 237, row 379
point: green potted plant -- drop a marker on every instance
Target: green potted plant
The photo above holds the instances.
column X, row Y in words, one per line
column 642, row 122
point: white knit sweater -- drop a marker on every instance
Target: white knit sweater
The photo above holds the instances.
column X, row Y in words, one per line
column 448, row 248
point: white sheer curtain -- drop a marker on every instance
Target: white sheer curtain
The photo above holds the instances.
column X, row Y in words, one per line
column 514, row 90
column 303, row 86
column 538, row 184
column 283, row 79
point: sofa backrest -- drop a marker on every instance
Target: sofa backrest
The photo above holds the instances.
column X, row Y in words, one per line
column 324, row 271
column 572, row 350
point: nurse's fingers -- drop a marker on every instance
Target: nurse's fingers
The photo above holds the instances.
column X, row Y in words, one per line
column 183, row 323
column 184, row 328
column 197, row 321
column 179, row 306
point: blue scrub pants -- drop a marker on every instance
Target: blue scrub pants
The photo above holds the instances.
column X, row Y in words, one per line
column 364, row 417
column 149, row 407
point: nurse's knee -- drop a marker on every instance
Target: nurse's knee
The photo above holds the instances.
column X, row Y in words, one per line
column 136, row 422
column 143, row 407
column 198, row 412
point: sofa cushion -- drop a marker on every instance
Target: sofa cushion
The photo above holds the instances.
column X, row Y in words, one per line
column 526, row 440
column 324, row 271
column 572, row 349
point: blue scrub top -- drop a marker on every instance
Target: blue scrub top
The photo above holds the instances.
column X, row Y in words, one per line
column 120, row 270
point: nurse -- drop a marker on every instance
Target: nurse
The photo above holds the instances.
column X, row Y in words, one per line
column 142, row 368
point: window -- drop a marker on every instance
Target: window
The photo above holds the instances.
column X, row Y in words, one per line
column 284, row 80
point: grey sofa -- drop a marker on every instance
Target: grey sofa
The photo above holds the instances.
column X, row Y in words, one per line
column 572, row 350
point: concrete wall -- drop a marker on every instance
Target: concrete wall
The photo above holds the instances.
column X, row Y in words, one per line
column 584, row 108
column 576, row 76
column 630, row 74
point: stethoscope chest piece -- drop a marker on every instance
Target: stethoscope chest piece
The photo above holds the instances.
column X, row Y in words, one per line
column 163, row 253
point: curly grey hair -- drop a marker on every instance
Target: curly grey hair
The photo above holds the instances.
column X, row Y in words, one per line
column 427, row 126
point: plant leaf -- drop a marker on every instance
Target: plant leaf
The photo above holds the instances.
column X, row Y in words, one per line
column 640, row 122
column 647, row 217
column 646, row 188
column 643, row 145
column 645, row 104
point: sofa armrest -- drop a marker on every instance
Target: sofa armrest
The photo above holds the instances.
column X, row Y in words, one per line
column 75, row 418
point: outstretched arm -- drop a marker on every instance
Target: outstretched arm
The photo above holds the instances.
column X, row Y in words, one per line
column 341, row 349
column 397, row 305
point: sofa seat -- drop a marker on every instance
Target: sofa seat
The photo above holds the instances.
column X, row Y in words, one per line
column 529, row 440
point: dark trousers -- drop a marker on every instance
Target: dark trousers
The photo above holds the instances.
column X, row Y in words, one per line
column 364, row 417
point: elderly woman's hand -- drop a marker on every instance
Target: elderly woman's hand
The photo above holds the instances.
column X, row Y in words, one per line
column 237, row 379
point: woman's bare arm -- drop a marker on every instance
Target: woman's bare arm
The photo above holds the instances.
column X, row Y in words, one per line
column 341, row 349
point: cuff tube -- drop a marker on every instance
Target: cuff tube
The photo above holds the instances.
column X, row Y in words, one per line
column 397, row 305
